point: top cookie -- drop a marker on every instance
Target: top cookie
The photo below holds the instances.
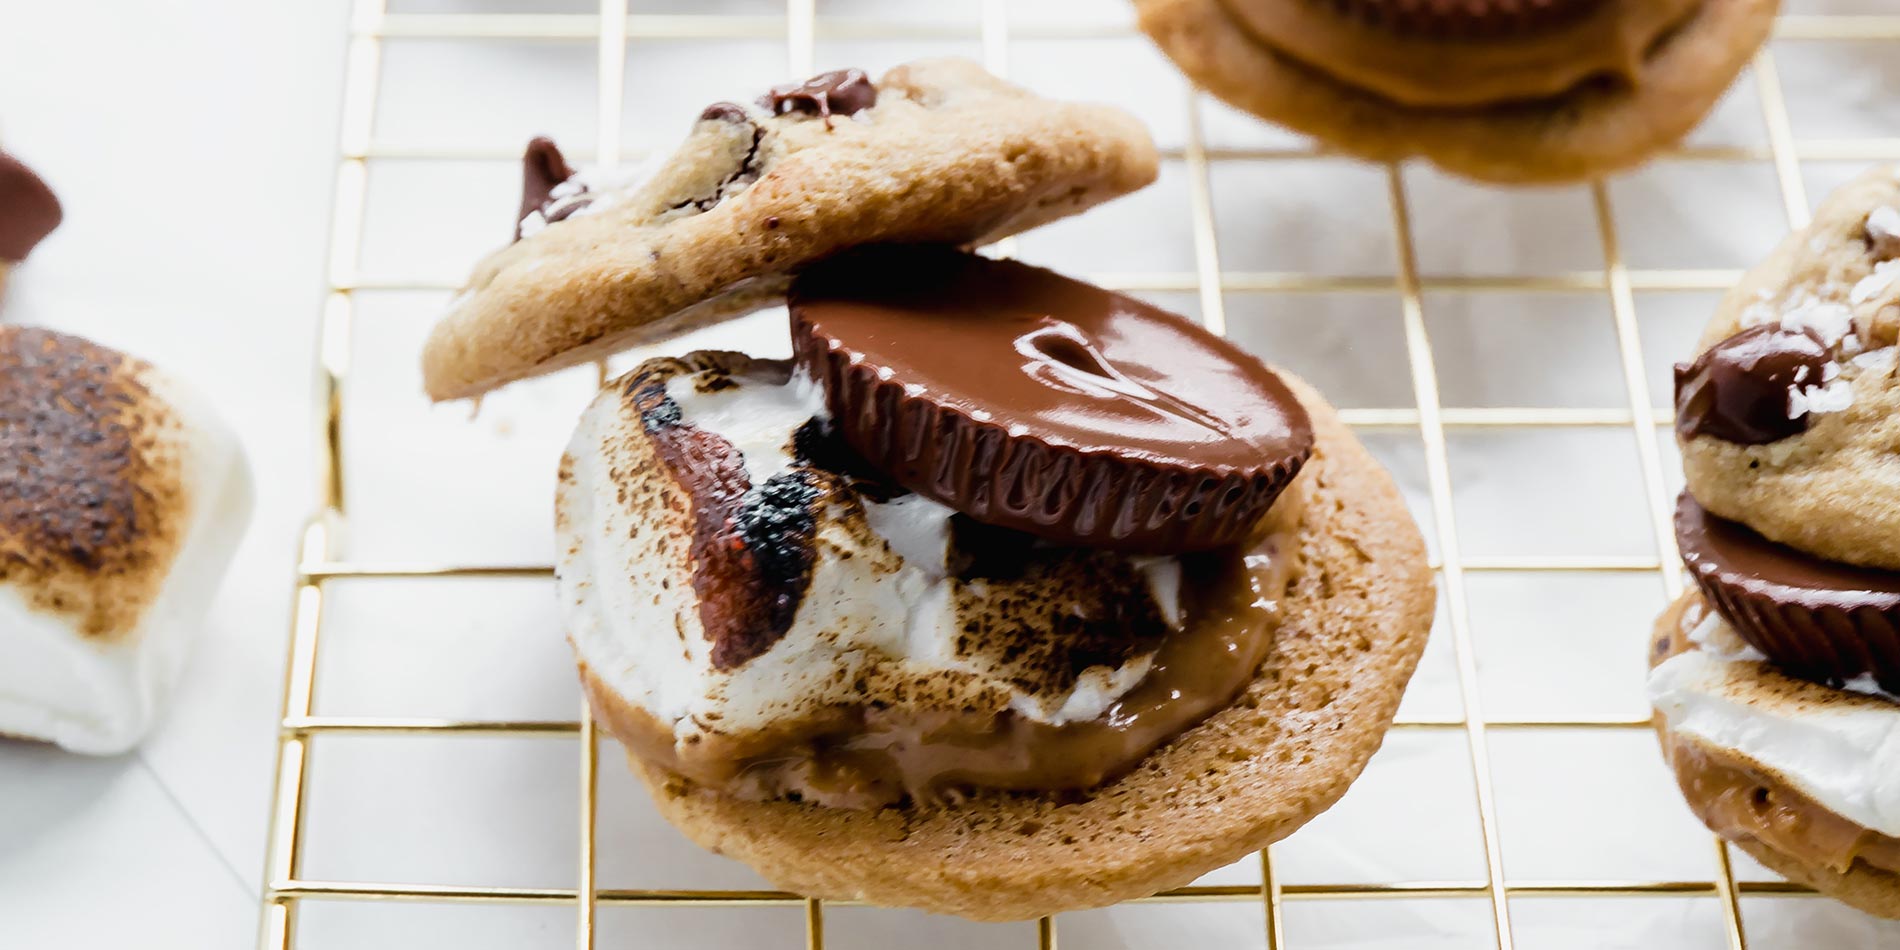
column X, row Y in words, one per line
column 1810, row 331
column 935, row 151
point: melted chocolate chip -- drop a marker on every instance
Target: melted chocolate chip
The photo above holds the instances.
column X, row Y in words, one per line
column 1738, row 391
column 839, row 92
column 752, row 547
column 543, row 169
column 28, row 209
column 723, row 112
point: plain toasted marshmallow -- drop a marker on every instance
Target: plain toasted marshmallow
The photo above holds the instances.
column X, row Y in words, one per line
column 759, row 584
column 125, row 497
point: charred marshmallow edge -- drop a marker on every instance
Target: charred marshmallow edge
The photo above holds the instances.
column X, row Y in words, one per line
column 109, row 559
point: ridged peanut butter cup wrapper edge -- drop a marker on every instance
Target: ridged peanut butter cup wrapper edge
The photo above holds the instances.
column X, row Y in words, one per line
column 1825, row 635
column 1474, row 20
column 1055, row 492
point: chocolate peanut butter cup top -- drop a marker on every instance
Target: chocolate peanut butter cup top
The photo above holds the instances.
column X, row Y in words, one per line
column 28, row 209
column 1458, row 19
column 1818, row 619
column 1741, row 389
column 1026, row 399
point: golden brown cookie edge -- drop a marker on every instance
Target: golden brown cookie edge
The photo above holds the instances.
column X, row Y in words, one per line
column 1510, row 144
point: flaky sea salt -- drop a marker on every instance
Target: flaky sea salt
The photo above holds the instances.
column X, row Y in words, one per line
column 1871, row 285
column 1884, row 223
column 1875, row 361
column 1828, row 321
column 1866, row 685
column 1816, row 400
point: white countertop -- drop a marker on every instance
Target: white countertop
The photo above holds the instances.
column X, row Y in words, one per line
column 193, row 144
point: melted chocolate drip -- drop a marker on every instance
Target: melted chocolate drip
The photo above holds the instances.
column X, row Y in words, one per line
column 1738, row 391
column 543, row 167
column 28, row 209
column 754, row 546
column 839, row 92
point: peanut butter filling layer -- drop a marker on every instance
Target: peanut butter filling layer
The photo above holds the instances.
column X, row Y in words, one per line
column 1737, row 800
column 1602, row 41
column 865, row 757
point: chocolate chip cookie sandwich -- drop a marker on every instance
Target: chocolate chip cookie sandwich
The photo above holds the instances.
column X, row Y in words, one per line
column 1775, row 680
column 29, row 212
column 1499, row 90
column 122, row 498
column 1006, row 595
column 936, row 150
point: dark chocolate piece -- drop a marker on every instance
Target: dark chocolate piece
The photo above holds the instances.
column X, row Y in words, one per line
column 29, row 210
column 1818, row 619
column 1739, row 390
column 1462, row 19
column 1031, row 401
column 543, row 167
column 723, row 112
column 843, row 92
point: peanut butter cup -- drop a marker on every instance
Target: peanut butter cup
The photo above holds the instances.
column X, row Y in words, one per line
column 1817, row 619
column 1462, row 19
column 28, row 210
column 1032, row 401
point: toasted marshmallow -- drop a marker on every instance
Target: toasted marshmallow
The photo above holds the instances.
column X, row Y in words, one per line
column 1839, row 747
column 124, row 498
column 723, row 569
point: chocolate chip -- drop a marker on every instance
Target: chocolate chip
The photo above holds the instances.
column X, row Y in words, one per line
column 1739, row 390
column 543, row 167
column 28, row 209
column 724, row 112
column 839, row 92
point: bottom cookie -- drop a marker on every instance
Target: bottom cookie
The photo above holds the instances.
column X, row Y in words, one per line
column 1763, row 813
column 1249, row 775
column 1596, row 129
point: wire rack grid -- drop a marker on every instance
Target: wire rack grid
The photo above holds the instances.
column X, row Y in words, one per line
column 611, row 29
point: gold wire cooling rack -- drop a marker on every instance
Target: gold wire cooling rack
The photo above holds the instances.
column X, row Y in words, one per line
column 611, row 29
